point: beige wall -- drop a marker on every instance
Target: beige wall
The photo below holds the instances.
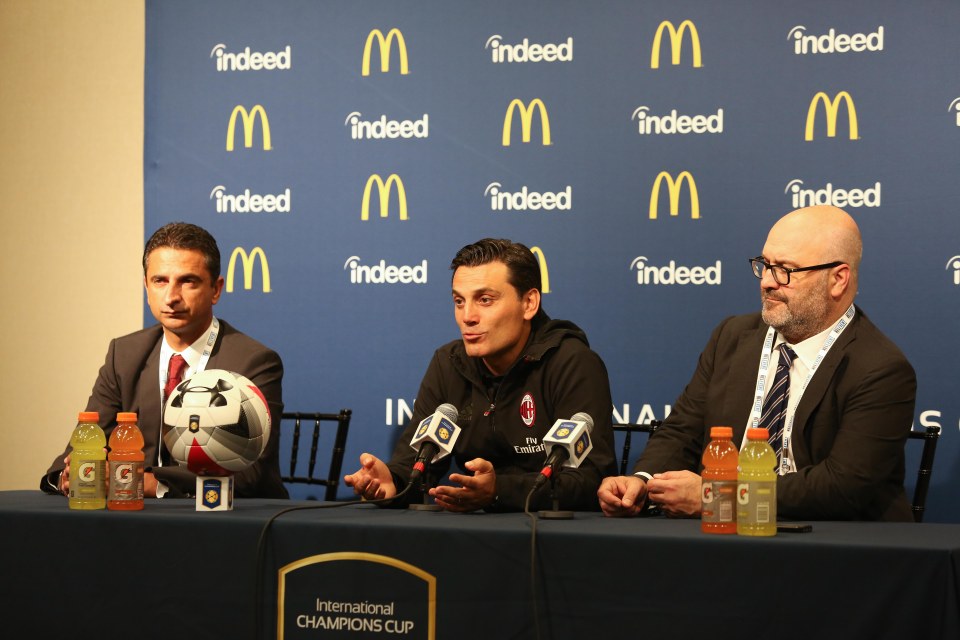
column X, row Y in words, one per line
column 71, row 202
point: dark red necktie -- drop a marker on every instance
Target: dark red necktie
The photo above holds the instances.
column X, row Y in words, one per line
column 174, row 377
column 174, row 374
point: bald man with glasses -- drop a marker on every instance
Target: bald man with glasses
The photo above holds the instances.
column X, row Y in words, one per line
column 849, row 393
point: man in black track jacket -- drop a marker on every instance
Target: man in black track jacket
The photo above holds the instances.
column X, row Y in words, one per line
column 511, row 376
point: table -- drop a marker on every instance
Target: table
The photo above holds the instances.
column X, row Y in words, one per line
column 169, row 570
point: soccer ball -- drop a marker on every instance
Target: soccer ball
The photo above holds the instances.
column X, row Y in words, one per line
column 216, row 423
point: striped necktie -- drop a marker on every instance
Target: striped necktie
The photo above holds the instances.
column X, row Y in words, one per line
column 774, row 415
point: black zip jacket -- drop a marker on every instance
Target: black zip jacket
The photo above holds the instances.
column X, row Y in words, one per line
column 504, row 420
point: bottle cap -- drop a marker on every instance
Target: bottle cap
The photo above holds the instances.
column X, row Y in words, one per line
column 89, row 416
column 721, row 432
column 758, row 433
column 124, row 416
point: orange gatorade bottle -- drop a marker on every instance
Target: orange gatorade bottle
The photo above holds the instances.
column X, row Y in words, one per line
column 126, row 465
column 718, row 491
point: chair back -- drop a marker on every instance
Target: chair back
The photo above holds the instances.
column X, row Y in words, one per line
column 929, row 436
column 296, row 422
column 628, row 431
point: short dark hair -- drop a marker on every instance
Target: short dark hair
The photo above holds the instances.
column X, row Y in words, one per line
column 523, row 266
column 183, row 235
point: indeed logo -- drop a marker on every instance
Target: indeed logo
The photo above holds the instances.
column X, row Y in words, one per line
column 526, row 52
column 247, row 202
column 247, row 60
column 672, row 123
column 954, row 107
column 383, row 273
column 525, row 200
column 383, row 129
column 833, row 42
column 829, row 195
column 672, row 274
column 954, row 263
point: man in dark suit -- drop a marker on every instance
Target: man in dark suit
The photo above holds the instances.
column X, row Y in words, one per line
column 181, row 266
column 851, row 391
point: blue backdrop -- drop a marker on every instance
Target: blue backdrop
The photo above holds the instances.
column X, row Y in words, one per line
column 564, row 126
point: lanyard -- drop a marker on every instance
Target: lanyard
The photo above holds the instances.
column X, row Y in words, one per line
column 787, row 464
column 207, row 349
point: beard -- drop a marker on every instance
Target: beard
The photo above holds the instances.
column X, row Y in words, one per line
column 796, row 319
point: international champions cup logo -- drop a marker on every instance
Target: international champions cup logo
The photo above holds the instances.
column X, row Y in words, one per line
column 676, row 41
column 831, row 108
column 673, row 187
column 526, row 118
column 248, row 262
column 384, row 45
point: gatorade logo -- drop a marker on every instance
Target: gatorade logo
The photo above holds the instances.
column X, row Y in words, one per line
column 743, row 493
column 707, row 495
column 124, row 473
column 88, row 471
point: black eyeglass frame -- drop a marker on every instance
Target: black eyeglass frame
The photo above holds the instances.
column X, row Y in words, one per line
column 774, row 268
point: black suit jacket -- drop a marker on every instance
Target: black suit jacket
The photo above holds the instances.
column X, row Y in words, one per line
column 849, row 429
column 129, row 380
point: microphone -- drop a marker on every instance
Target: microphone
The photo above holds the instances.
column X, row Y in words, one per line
column 435, row 437
column 570, row 440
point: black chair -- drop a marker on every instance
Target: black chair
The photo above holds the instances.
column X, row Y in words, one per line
column 332, row 480
column 628, row 431
column 929, row 436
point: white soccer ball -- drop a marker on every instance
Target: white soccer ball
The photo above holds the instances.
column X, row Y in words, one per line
column 216, row 423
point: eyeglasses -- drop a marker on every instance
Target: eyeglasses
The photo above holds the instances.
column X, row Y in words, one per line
column 781, row 274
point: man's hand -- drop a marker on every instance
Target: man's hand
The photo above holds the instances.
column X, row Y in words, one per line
column 475, row 492
column 677, row 493
column 64, row 485
column 149, row 485
column 372, row 481
column 622, row 495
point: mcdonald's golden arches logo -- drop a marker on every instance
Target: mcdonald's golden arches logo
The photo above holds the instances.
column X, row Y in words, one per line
column 526, row 120
column 544, row 273
column 676, row 42
column 673, row 186
column 832, row 108
column 384, row 45
column 247, row 120
column 384, row 188
column 248, row 262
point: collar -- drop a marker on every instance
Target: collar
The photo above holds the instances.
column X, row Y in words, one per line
column 191, row 354
column 807, row 350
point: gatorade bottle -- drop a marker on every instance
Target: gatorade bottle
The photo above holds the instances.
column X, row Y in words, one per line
column 126, row 465
column 719, row 489
column 88, row 484
column 757, row 487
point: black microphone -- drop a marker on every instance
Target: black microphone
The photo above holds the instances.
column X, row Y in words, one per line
column 570, row 440
column 435, row 437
